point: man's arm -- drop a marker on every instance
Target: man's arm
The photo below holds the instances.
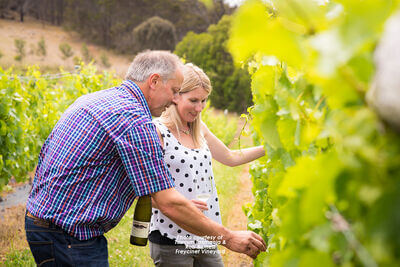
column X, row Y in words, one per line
column 184, row 213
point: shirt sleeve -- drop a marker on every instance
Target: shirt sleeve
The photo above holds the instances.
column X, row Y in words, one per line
column 141, row 154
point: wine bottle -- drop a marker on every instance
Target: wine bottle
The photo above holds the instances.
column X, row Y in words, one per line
column 141, row 221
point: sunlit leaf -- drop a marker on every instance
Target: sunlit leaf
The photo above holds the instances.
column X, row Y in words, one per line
column 256, row 30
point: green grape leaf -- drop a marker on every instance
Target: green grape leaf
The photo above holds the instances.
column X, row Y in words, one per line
column 256, row 35
column 287, row 128
column 263, row 81
column 309, row 258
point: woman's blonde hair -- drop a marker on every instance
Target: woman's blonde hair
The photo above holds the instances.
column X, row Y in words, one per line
column 194, row 77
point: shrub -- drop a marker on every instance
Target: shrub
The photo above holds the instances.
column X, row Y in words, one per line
column 32, row 49
column 104, row 60
column 87, row 57
column 41, row 48
column 20, row 46
column 77, row 60
column 66, row 50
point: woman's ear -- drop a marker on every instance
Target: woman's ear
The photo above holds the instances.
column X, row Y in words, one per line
column 176, row 99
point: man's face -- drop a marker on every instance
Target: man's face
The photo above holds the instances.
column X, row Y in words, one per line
column 165, row 93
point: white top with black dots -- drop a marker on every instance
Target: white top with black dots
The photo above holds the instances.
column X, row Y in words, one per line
column 185, row 165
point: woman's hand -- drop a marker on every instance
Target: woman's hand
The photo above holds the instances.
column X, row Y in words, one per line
column 201, row 205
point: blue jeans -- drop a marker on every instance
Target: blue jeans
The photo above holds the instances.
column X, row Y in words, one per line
column 52, row 246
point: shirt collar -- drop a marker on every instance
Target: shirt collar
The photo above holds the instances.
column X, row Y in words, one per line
column 138, row 94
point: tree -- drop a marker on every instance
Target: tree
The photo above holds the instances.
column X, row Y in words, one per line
column 4, row 8
column 156, row 34
column 106, row 23
column 48, row 10
column 110, row 22
column 231, row 84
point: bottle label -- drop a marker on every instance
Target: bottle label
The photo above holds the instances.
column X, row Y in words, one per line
column 140, row 229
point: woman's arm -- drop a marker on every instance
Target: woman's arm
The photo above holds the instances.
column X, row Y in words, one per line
column 223, row 154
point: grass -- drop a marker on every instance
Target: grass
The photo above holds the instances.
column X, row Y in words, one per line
column 121, row 252
column 14, row 249
column 21, row 258
column 227, row 181
column 223, row 126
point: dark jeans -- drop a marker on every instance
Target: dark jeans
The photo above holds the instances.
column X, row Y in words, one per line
column 51, row 246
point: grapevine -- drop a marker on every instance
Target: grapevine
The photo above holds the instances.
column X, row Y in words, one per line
column 328, row 191
column 30, row 106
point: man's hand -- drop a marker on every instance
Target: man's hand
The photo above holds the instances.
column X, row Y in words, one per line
column 185, row 213
column 246, row 242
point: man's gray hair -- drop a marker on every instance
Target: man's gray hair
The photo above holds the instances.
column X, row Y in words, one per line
column 149, row 62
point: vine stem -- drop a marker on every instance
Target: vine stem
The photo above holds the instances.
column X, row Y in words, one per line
column 319, row 103
column 341, row 225
column 348, row 75
column 244, row 125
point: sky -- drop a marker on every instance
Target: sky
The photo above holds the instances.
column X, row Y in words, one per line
column 233, row 2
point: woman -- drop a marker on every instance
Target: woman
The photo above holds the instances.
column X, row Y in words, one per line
column 189, row 145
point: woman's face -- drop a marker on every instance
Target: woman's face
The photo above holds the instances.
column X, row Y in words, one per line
column 190, row 104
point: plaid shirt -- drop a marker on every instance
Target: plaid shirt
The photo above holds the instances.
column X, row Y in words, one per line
column 102, row 153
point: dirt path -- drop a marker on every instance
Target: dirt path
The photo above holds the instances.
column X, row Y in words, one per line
column 237, row 220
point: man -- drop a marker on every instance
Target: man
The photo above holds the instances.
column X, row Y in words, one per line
column 103, row 153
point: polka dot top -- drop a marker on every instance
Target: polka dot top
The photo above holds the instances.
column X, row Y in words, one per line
column 192, row 173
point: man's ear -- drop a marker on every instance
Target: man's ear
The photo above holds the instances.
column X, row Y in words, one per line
column 153, row 80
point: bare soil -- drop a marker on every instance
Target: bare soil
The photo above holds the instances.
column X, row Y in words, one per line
column 237, row 220
column 31, row 31
column 12, row 232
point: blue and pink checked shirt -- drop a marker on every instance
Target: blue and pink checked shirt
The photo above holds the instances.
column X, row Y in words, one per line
column 102, row 153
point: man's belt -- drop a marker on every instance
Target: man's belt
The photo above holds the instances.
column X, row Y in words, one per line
column 38, row 221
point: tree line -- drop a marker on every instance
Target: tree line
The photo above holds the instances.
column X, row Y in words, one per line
column 113, row 23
